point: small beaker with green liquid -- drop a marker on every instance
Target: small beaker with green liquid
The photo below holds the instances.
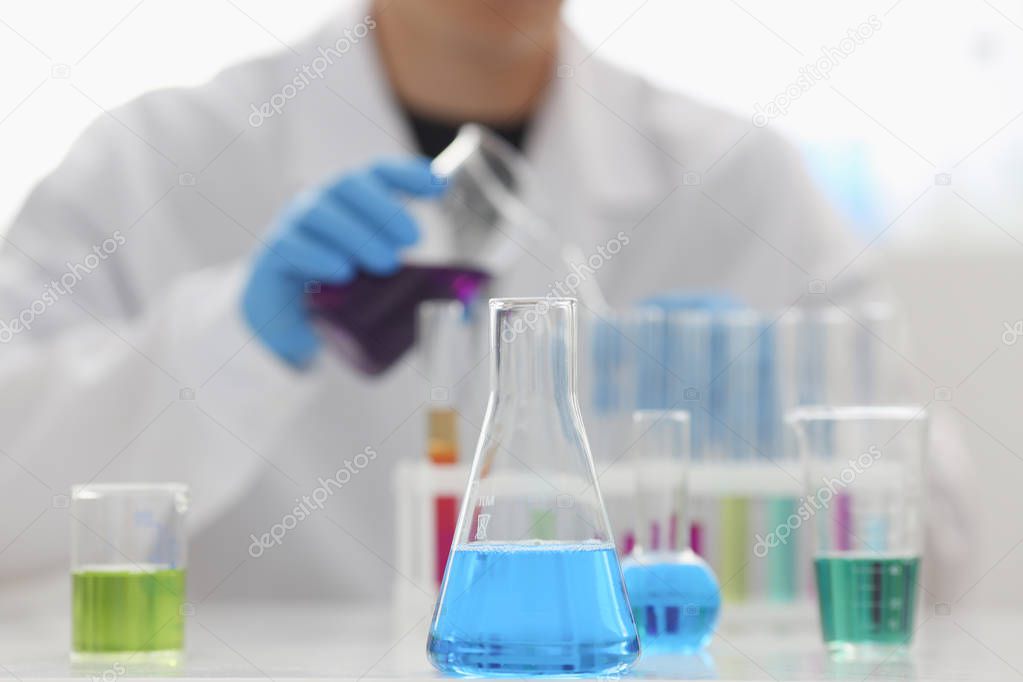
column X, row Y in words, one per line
column 128, row 571
column 864, row 498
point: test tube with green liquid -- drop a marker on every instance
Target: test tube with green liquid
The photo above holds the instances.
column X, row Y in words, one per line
column 128, row 571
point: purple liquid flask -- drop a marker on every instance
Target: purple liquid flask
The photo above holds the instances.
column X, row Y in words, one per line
column 370, row 321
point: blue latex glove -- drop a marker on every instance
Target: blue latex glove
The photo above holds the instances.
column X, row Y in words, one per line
column 357, row 222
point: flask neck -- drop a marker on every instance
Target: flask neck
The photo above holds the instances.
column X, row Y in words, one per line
column 533, row 358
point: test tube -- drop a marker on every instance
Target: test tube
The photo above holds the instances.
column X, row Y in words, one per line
column 737, row 370
column 661, row 453
column 622, row 371
column 444, row 331
column 687, row 341
column 128, row 571
column 604, row 362
column 780, row 567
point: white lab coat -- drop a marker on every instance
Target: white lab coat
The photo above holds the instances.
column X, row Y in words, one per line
column 101, row 387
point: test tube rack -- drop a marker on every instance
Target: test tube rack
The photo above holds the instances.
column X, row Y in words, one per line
column 736, row 372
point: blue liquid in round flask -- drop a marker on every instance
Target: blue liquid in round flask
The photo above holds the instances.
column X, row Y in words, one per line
column 674, row 594
column 533, row 586
column 675, row 600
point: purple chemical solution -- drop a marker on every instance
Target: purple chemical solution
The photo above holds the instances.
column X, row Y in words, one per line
column 371, row 320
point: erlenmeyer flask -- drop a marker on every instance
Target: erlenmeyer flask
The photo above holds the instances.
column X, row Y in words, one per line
column 533, row 585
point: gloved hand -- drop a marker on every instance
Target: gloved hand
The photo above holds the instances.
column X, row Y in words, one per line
column 357, row 222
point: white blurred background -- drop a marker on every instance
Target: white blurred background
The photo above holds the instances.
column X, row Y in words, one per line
column 918, row 134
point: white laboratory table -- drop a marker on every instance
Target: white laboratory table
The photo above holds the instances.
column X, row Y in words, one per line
column 345, row 642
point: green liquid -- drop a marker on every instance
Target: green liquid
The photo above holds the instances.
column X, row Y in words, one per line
column 734, row 557
column 126, row 610
column 867, row 600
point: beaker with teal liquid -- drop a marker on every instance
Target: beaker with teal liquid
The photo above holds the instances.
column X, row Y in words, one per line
column 128, row 572
column 533, row 585
column 864, row 498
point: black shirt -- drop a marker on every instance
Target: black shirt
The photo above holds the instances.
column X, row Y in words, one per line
column 433, row 135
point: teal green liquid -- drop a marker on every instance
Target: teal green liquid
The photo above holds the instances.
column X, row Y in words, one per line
column 781, row 560
column 867, row 600
column 127, row 610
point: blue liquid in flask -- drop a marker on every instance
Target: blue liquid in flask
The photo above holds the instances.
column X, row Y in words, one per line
column 533, row 609
column 675, row 600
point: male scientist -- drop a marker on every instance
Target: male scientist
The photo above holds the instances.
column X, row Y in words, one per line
column 151, row 287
